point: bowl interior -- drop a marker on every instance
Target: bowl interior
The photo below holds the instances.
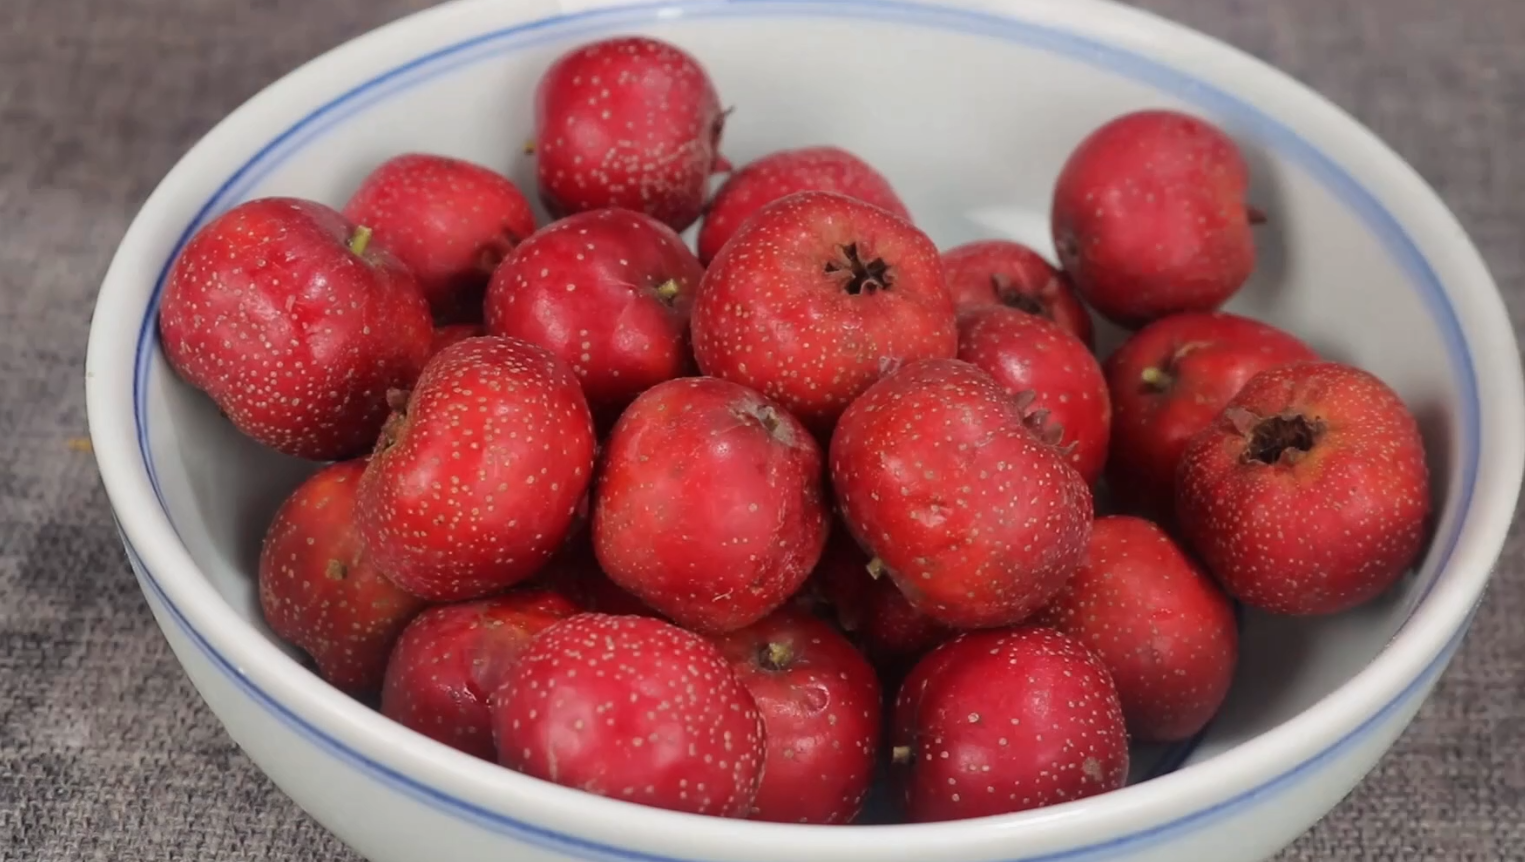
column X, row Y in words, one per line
column 971, row 122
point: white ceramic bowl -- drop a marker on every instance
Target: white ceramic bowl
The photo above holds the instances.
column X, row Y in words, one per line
column 970, row 107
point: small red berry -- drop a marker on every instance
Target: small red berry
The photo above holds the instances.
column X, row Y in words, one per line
column 1060, row 383
column 632, row 708
column 1149, row 217
column 449, row 660
column 1164, row 629
column 319, row 589
column 1310, row 493
column 1002, row 272
column 479, row 474
column 780, row 174
column 816, row 297
column 448, row 220
column 709, row 503
column 978, row 521
column 821, row 709
column 629, row 122
column 1004, row 721
column 295, row 324
column 609, row 292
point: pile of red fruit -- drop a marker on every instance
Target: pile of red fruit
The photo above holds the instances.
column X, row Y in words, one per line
column 666, row 526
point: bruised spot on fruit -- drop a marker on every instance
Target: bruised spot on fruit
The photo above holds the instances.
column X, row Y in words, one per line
column 1278, row 438
column 1013, row 298
column 900, row 754
column 336, row 570
column 933, row 516
column 863, row 276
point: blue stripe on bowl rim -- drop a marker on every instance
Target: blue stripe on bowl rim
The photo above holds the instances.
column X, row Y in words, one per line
column 1270, row 132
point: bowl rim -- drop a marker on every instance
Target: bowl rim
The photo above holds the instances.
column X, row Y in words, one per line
column 1072, row 831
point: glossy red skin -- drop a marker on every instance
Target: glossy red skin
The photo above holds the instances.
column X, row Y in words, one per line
column 979, row 522
column 872, row 610
column 770, row 316
column 1165, row 630
column 1149, row 217
column 477, row 479
column 586, row 288
column 450, row 221
column 821, row 707
column 632, row 708
column 1205, row 358
column 704, row 512
column 319, row 590
column 451, row 658
column 777, row 175
column 1026, row 353
column 296, row 338
column 1004, row 721
column 1319, row 534
column 628, row 122
column 1002, row 272
column 444, row 336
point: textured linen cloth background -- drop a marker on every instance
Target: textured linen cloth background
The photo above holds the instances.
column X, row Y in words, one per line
column 106, row 753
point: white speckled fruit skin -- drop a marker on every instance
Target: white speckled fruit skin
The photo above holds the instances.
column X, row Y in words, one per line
column 1354, row 236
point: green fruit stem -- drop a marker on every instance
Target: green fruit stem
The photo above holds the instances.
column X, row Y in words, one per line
column 360, row 240
column 668, row 290
column 1156, row 378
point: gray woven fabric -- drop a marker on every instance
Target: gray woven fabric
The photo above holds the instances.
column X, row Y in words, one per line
column 106, row 753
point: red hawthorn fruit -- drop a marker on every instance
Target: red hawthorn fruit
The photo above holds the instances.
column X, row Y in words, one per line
column 1007, row 720
column 1061, row 385
column 295, row 324
column 319, row 590
column 1149, row 217
column 1310, row 493
column 816, row 297
column 629, row 122
column 451, row 658
column 478, row 476
column 780, row 174
column 632, row 708
column 1165, row 630
column 870, row 608
column 1169, row 381
column 821, row 708
column 978, row 521
column 450, row 221
column 1002, row 272
column 709, row 503
column 609, row 291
